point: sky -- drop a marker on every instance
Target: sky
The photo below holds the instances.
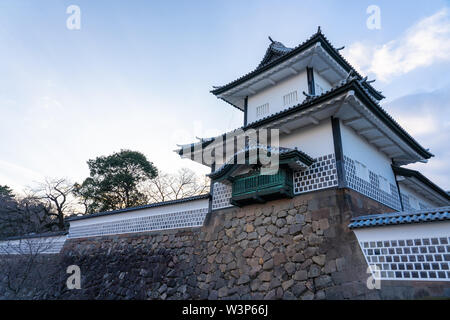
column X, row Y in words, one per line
column 137, row 74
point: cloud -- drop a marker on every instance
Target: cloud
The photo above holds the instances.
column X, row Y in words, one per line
column 424, row 43
column 425, row 116
column 17, row 176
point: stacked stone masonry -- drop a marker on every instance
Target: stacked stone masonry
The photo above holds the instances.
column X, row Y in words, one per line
column 298, row 248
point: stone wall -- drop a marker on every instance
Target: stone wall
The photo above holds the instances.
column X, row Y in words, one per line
column 297, row 248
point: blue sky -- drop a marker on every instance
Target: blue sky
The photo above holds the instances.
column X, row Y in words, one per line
column 137, row 74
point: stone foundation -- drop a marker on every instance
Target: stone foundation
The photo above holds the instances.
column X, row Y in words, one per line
column 298, row 248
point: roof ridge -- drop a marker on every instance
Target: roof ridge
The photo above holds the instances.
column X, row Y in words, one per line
column 319, row 35
column 402, row 217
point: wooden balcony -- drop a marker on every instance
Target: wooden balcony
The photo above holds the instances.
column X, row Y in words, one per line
column 257, row 188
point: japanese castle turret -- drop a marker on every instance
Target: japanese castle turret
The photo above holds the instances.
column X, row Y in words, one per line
column 309, row 109
column 310, row 199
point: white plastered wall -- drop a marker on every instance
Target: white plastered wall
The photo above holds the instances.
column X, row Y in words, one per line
column 38, row 245
column 321, row 82
column 314, row 140
column 412, row 194
column 273, row 95
column 178, row 207
column 360, row 150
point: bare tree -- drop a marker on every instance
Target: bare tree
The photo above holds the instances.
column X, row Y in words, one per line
column 21, row 264
column 185, row 183
column 20, row 216
column 57, row 195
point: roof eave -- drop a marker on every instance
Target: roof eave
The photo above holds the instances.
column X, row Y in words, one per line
column 419, row 176
column 378, row 111
column 318, row 37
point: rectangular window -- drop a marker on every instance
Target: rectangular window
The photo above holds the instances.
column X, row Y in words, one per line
column 290, row 98
column 362, row 171
column 262, row 110
column 384, row 184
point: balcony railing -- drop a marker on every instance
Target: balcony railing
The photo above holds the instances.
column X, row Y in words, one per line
column 260, row 188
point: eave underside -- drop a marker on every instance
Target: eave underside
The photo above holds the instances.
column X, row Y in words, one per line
column 357, row 110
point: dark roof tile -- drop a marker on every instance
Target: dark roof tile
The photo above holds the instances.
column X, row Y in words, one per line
column 405, row 217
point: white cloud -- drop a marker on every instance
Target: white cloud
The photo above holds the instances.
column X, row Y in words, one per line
column 423, row 44
column 16, row 176
column 425, row 116
column 420, row 125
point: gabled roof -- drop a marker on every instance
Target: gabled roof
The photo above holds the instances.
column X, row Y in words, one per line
column 399, row 171
column 406, row 217
column 275, row 51
column 283, row 153
column 278, row 53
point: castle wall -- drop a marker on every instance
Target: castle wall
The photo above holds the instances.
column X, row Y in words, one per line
column 298, row 248
column 159, row 217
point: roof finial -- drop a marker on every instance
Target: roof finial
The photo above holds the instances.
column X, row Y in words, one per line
column 271, row 40
column 319, row 30
column 341, row 48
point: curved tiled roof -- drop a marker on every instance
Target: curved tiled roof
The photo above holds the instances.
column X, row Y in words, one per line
column 343, row 86
column 286, row 53
column 275, row 51
column 282, row 151
column 386, row 219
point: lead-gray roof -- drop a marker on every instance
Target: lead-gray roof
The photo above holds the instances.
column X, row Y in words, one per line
column 405, row 217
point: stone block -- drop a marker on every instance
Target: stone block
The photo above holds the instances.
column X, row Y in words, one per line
column 330, row 266
column 301, row 275
column 287, row 284
column 314, row 271
column 320, row 260
column 298, row 257
column 340, row 264
column 265, row 276
column 322, row 282
column 295, row 229
column 297, row 289
column 279, row 258
column 290, row 268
